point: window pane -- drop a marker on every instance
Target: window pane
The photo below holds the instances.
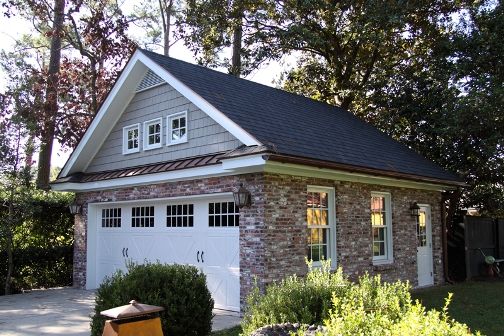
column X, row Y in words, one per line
column 377, row 219
column 175, row 135
column 175, row 123
column 324, row 220
column 309, row 217
column 182, row 122
column 316, row 217
column 323, row 200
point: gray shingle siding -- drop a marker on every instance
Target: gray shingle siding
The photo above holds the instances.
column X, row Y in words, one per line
column 205, row 136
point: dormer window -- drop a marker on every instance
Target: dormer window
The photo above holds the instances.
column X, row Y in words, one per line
column 177, row 128
column 131, row 138
column 152, row 133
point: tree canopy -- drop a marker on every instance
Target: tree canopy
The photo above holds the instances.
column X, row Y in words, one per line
column 429, row 73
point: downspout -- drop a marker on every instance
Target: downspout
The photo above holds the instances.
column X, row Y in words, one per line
column 444, row 236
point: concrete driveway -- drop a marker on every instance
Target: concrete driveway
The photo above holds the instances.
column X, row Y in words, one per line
column 63, row 311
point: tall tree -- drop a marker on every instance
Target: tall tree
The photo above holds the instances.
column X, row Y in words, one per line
column 51, row 103
column 95, row 29
column 428, row 73
column 156, row 21
column 210, row 26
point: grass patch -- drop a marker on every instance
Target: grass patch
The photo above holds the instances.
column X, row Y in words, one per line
column 235, row 331
column 477, row 304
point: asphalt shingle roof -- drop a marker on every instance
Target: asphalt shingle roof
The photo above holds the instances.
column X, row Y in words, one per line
column 299, row 126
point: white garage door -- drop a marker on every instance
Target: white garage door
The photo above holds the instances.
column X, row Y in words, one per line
column 203, row 233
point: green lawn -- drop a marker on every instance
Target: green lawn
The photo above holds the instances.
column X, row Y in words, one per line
column 480, row 305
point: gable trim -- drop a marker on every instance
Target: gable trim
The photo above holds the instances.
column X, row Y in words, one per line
column 131, row 69
column 118, row 99
column 201, row 103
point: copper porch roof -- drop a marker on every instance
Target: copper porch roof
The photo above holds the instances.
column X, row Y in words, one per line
column 143, row 170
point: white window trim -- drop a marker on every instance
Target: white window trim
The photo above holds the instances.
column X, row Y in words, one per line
column 331, row 250
column 126, row 129
column 146, row 134
column 169, row 141
column 389, row 257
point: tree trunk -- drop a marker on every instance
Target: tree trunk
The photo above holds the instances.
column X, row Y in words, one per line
column 51, row 103
column 166, row 9
column 236, row 66
column 10, row 247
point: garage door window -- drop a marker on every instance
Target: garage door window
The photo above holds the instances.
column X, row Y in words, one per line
column 223, row 214
column 142, row 216
column 180, row 215
column 111, row 218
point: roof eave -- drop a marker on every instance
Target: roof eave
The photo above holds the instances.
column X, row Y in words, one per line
column 364, row 170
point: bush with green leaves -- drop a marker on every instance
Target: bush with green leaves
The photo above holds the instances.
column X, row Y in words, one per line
column 180, row 289
column 368, row 307
column 306, row 300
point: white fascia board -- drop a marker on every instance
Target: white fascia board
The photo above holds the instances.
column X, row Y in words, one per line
column 171, row 176
column 243, row 162
column 108, row 115
column 201, row 103
column 339, row 175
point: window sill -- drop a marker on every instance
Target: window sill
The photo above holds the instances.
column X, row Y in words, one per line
column 386, row 265
column 131, row 151
column 176, row 142
column 152, row 147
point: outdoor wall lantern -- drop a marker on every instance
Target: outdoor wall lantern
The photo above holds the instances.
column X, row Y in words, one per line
column 414, row 209
column 242, row 197
column 75, row 208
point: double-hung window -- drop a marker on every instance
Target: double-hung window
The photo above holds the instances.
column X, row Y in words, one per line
column 177, row 128
column 321, row 221
column 381, row 226
column 152, row 134
column 131, row 139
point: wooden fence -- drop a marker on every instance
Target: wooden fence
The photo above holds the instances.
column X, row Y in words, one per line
column 482, row 235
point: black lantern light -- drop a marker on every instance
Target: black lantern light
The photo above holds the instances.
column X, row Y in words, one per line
column 75, row 208
column 241, row 197
column 414, row 209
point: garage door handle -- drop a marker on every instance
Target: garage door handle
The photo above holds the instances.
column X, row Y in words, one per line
column 197, row 256
column 202, row 252
column 123, row 251
column 127, row 253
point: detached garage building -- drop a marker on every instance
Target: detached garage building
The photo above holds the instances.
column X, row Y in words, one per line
column 156, row 171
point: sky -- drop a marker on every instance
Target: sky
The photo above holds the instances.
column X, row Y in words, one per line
column 12, row 28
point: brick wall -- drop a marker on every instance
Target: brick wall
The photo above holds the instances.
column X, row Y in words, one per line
column 252, row 228
column 273, row 232
column 286, row 236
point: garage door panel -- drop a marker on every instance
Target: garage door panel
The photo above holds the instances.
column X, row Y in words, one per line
column 214, row 250
column 107, row 268
column 222, row 251
column 224, row 285
column 111, row 246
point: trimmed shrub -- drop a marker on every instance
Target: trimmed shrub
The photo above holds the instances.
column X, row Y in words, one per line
column 180, row 289
column 368, row 307
column 303, row 300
